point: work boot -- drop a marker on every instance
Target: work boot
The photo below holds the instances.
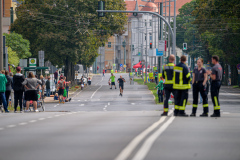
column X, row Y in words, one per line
column 110, row 88
column 176, row 112
column 164, row 114
column 216, row 113
column 182, row 114
column 193, row 115
column 204, row 115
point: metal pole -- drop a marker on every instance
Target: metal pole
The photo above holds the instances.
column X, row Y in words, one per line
column 146, row 52
column 125, row 56
column 100, row 59
column 114, row 61
column 1, row 36
column 131, row 51
column 174, row 30
column 161, row 36
column 169, row 19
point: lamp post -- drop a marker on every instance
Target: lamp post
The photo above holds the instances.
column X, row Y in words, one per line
column 124, row 46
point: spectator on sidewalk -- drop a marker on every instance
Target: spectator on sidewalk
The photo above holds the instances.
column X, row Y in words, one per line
column 8, row 86
column 61, row 86
column 56, row 76
column 31, row 84
column 48, row 87
column 42, row 85
column 3, row 81
column 12, row 92
column 89, row 81
column 18, row 89
column 67, row 84
column 160, row 90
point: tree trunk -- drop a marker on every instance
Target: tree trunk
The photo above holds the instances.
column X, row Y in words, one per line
column 234, row 75
column 225, row 69
column 69, row 70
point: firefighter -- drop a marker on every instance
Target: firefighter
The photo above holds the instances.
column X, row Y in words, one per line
column 167, row 74
column 181, row 82
column 216, row 78
column 199, row 85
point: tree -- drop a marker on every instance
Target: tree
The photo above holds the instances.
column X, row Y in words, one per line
column 12, row 59
column 18, row 45
column 68, row 32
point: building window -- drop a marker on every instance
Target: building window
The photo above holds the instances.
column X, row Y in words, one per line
column 145, row 23
column 150, row 23
column 109, row 44
column 145, row 36
column 150, row 36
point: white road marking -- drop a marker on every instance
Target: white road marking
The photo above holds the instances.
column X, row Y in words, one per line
column 11, row 126
column 79, row 100
column 108, row 103
column 50, row 117
column 134, row 143
column 1, row 129
column 99, row 81
column 95, row 92
column 85, row 100
column 106, row 106
column 41, row 119
column 81, row 105
column 132, row 103
column 142, row 152
column 32, row 121
column 56, row 115
column 23, row 123
column 226, row 113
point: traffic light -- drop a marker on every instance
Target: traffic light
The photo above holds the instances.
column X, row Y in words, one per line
column 150, row 45
column 184, row 46
column 101, row 6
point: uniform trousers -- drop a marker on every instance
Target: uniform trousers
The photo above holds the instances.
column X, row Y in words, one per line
column 215, row 87
column 198, row 87
column 167, row 93
column 181, row 98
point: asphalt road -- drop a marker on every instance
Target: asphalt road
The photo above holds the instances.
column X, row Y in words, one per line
column 98, row 124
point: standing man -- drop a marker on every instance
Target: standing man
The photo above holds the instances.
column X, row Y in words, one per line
column 56, row 76
column 216, row 77
column 3, row 81
column 18, row 88
column 61, row 87
column 121, row 82
column 48, row 87
column 112, row 81
column 156, row 76
column 167, row 74
column 181, row 82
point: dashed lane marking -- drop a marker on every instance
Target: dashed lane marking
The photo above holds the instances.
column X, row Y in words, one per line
column 32, row 121
column 40, row 119
column 23, row 123
column 81, row 105
column 11, row 126
column 1, row 129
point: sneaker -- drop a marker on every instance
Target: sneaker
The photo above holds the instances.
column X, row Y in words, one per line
column 121, row 94
column 7, row 111
column 15, row 111
column 36, row 110
column 27, row 111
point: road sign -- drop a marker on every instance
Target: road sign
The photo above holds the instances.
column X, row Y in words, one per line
column 238, row 66
column 162, row 45
column 32, row 62
column 23, row 63
column 121, row 65
column 124, row 66
column 41, row 58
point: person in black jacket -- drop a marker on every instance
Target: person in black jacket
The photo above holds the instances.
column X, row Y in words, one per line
column 18, row 78
column 8, row 86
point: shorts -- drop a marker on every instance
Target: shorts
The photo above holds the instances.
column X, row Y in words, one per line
column 120, row 86
column 31, row 95
column 60, row 92
column 113, row 83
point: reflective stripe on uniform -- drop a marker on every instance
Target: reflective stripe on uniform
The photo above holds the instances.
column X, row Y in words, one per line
column 195, row 105
column 176, row 107
column 165, row 109
column 205, row 105
column 188, row 75
column 216, row 107
column 168, row 66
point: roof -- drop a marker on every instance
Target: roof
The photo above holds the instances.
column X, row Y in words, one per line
column 152, row 6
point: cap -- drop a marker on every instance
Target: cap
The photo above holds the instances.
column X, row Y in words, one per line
column 18, row 68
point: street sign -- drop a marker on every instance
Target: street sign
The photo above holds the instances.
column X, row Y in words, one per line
column 32, row 62
column 162, row 45
column 121, row 65
column 23, row 63
column 41, row 58
column 124, row 66
column 238, row 66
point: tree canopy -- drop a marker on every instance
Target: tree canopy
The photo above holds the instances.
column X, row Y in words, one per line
column 70, row 31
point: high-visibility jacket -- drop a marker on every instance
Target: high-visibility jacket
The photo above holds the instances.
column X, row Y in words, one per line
column 167, row 74
column 181, row 77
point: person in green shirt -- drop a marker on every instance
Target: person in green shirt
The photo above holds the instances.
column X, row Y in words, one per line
column 3, row 81
column 160, row 90
column 112, row 78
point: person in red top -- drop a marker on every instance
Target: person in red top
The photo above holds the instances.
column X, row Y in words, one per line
column 61, row 87
column 103, row 72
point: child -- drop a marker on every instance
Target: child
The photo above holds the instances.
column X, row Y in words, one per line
column 89, row 81
column 56, row 96
column 160, row 90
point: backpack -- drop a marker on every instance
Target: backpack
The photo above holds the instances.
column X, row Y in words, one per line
column 60, row 84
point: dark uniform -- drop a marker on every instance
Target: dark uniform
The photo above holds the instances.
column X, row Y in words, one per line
column 167, row 74
column 198, row 87
column 215, row 86
column 181, row 82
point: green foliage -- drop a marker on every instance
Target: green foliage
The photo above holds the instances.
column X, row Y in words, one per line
column 18, row 45
column 12, row 59
column 68, row 31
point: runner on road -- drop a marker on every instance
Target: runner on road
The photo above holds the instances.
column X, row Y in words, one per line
column 121, row 82
column 112, row 81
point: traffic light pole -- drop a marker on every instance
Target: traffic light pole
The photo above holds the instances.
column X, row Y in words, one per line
column 153, row 13
column 1, row 37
